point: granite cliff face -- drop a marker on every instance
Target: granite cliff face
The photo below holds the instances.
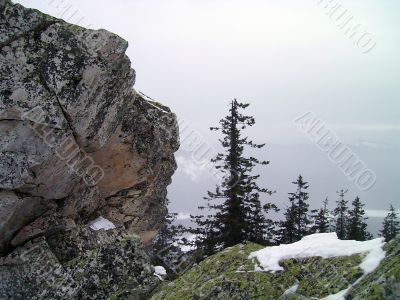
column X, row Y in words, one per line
column 77, row 142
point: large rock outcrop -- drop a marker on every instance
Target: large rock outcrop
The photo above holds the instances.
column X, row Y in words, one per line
column 110, row 266
column 76, row 142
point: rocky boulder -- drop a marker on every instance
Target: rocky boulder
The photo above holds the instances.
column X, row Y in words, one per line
column 230, row 274
column 111, row 265
column 77, row 142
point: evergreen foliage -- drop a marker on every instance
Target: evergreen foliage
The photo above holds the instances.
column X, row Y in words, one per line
column 321, row 219
column 357, row 226
column 340, row 213
column 235, row 212
column 297, row 220
column 391, row 225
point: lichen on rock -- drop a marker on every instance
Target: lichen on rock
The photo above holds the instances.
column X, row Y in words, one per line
column 230, row 274
column 384, row 282
column 109, row 265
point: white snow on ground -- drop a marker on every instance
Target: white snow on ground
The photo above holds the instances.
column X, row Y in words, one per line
column 323, row 245
column 101, row 223
column 293, row 289
column 338, row 296
column 160, row 272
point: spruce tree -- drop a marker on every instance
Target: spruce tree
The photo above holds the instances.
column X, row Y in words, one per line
column 391, row 225
column 300, row 198
column 357, row 226
column 236, row 212
column 321, row 219
column 297, row 221
column 340, row 213
column 287, row 232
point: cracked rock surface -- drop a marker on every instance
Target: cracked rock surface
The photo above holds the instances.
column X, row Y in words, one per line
column 76, row 142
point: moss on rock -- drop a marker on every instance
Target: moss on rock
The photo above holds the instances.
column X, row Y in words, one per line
column 230, row 275
column 384, row 282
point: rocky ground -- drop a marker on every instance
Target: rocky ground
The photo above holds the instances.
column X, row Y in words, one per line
column 230, row 274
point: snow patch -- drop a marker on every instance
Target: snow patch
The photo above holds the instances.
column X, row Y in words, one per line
column 338, row 296
column 102, row 223
column 293, row 289
column 323, row 245
column 160, row 272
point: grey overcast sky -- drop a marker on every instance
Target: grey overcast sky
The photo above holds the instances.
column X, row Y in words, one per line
column 284, row 57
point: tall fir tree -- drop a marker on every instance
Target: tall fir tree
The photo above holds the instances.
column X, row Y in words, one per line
column 340, row 213
column 287, row 231
column 236, row 211
column 321, row 219
column 297, row 221
column 300, row 197
column 391, row 225
column 357, row 226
